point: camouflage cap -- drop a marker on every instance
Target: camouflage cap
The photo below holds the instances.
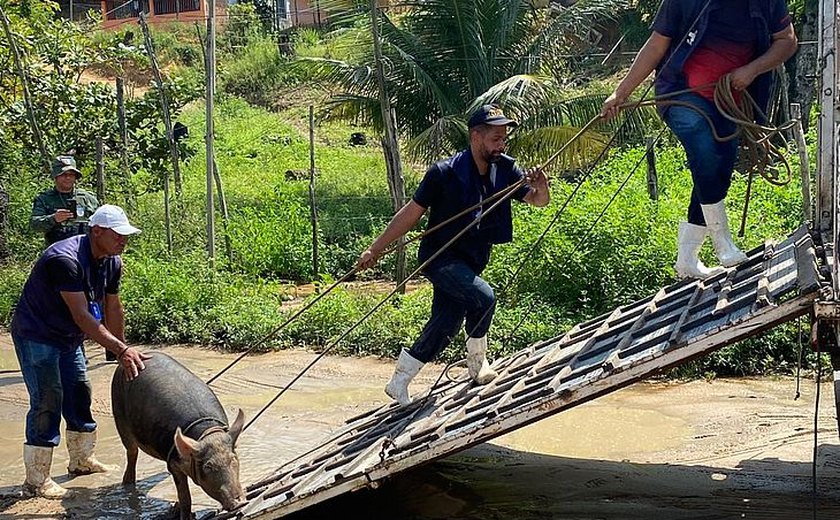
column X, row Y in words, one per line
column 64, row 163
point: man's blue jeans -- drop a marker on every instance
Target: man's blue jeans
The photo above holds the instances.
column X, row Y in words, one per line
column 711, row 162
column 58, row 384
column 458, row 293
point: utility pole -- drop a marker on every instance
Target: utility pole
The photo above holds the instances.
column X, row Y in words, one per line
column 27, row 97
column 390, row 146
column 210, row 67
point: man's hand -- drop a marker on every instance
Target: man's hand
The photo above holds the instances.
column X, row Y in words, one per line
column 537, row 179
column 131, row 360
column 538, row 182
column 612, row 106
column 742, row 77
column 367, row 260
column 62, row 215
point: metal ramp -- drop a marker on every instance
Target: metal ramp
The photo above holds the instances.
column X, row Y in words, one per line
column 778, row 283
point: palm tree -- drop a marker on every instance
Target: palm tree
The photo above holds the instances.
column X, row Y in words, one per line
column 445, row 58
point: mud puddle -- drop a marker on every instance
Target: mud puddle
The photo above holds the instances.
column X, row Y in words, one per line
column 727, row 449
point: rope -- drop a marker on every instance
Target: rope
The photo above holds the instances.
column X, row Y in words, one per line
column 376, row 307
column 504, row 193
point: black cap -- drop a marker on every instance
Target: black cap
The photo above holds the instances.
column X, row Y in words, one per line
column 490, row 115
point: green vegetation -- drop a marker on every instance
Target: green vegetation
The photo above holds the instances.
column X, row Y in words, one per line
column 581, row 269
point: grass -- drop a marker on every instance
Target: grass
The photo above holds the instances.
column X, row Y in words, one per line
column 581, row 268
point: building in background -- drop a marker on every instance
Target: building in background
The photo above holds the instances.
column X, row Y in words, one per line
column 119, row 12
column 77, row 10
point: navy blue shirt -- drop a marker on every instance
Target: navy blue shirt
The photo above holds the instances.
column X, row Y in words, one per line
column 690, row 27
column 67, row 265
column 451, row 186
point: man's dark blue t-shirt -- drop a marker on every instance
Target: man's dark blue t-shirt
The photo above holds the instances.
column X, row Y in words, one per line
column 451, row 186
column 67, row 265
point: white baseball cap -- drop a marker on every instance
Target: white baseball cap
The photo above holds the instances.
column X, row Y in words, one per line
column 112, row 217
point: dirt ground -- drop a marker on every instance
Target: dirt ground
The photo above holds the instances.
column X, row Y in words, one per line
column 737, row 448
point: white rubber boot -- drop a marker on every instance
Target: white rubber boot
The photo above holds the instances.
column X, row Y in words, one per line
column 407, row 368
column 689, row 241
column 479, row 369
column 38, row 460
column 718, row 226
column 80, row 447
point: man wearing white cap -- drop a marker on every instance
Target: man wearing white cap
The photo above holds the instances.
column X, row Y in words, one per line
column 71, row 293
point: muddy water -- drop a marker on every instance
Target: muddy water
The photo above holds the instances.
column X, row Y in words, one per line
column 726, row 449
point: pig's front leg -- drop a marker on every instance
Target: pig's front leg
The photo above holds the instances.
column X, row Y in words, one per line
column 184, row 499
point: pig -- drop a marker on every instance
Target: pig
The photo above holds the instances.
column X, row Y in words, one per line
column 173, row 416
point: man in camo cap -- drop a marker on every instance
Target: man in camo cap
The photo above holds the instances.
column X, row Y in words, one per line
column 63, row 211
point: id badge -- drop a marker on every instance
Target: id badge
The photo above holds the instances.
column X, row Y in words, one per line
column 95, row 310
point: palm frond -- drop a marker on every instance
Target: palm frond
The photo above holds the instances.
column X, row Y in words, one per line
column 516, row 94
column 359, row 109
column 355, row 78
column 538, row 145
column 631, row 127
column 443, row 137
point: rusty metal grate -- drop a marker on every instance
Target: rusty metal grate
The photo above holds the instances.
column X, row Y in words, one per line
column 778, row 283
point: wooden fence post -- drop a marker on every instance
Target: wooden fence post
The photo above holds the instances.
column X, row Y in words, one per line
column 804, row 164
column 164, row 103
column 652, row 178
column 100, row 170
column 313, row 209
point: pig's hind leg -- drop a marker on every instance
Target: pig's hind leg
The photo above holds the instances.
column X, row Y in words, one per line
column 131, row 452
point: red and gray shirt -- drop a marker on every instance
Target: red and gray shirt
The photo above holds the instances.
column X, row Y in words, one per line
column 710, row 38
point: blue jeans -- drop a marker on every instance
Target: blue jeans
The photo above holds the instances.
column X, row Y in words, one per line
column 458, row 293
column 58, row 384
column 711, row 162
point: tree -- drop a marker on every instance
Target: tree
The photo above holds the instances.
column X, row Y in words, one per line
column 445, row 58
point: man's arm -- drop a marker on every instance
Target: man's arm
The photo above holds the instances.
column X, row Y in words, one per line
column 131, row 358
column 115, row 316
column 783, row 47
column 646, row 60
column 405, row 219
column 44, row 218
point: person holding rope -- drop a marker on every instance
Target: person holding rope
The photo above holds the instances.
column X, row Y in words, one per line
column 448, row 188
column 71, row 293
column 693, row 45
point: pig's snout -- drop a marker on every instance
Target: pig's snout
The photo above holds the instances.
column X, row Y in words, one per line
column 235, row 502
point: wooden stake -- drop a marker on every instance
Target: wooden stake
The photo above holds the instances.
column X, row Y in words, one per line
column 804, row 164
column 313, row 210
column 100, row 170
column 210, row 76
column 27, row 98
column 164, row 103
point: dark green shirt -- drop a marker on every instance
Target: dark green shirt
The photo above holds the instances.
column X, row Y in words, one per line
column 45, row 205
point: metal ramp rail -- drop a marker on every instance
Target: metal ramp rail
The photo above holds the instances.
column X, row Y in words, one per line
column 778, row 283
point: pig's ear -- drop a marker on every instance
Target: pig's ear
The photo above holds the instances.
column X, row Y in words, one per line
column 185, row 446
column 236, row 427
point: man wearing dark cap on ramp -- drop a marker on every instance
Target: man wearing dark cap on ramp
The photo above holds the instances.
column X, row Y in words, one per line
column 448, row 188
